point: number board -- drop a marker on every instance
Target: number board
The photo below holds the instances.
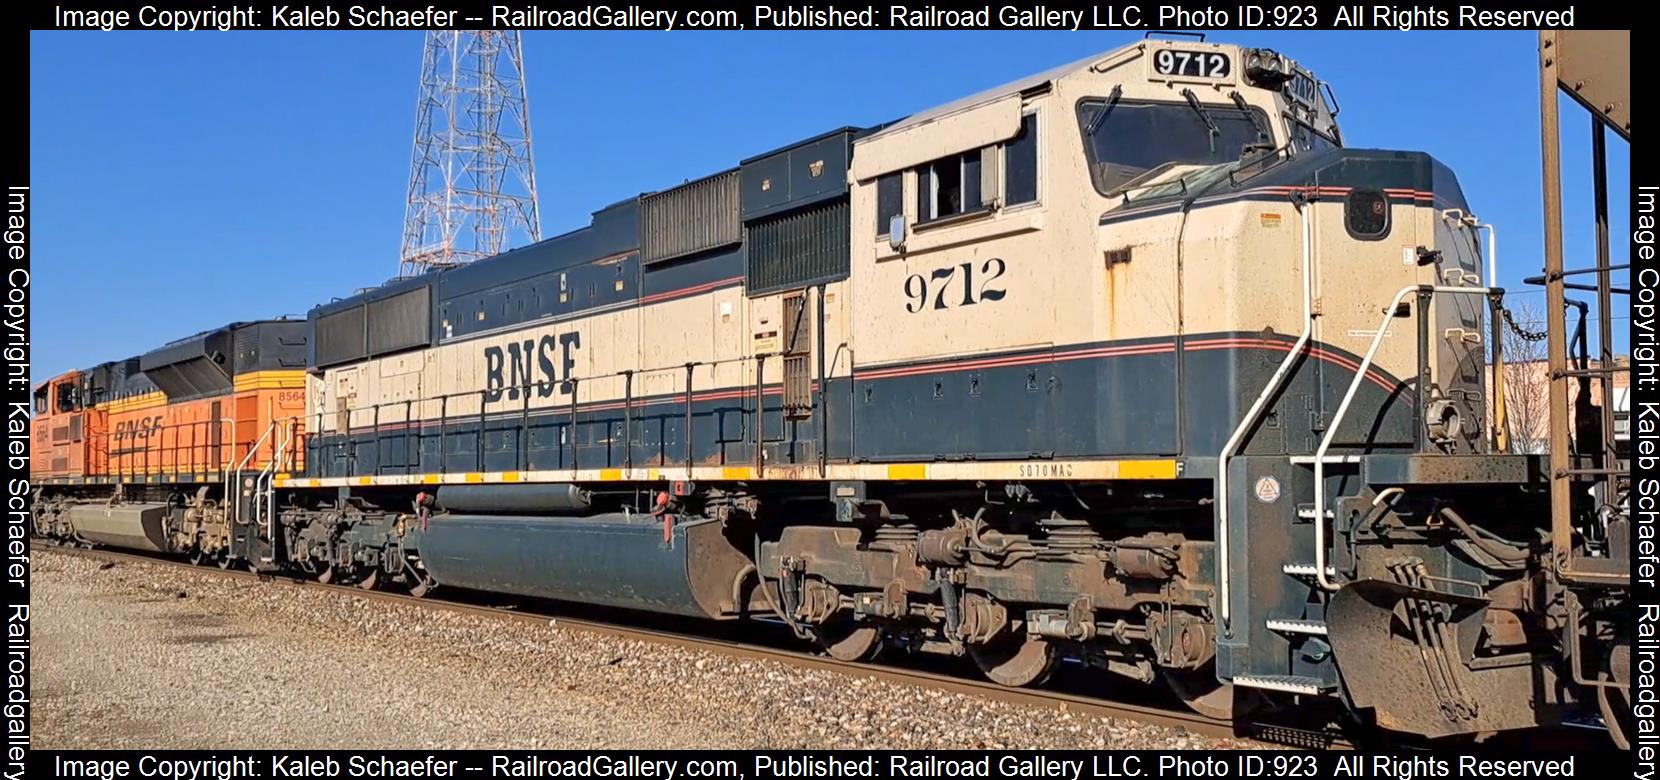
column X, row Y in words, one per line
column 1181, row 63
column 1302, row 88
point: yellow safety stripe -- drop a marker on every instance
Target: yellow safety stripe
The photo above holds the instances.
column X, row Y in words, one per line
column 1036, row 470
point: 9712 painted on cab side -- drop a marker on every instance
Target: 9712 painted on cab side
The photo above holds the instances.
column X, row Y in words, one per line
column 1130, row 362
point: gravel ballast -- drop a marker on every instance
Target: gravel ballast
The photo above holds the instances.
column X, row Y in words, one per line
column 142, row 655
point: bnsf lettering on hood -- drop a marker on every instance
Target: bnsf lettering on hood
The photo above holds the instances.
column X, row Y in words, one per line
column 508, row 370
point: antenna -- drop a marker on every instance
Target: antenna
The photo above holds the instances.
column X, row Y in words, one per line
column 472, row 181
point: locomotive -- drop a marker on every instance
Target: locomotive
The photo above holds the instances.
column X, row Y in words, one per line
column 1131, row 364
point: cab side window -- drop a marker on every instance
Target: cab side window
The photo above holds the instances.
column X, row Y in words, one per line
column 890, row 202
column 949, row 186
column 983, row 179
column 40, row 401
column 68, row 398
column 1020, row 164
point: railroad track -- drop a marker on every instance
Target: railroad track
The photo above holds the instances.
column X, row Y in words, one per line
column 542, row 612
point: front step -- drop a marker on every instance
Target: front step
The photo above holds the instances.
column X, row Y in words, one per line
column 1284, row 683
column 1295, row 626
column 1308, row 460
column 1305, row 570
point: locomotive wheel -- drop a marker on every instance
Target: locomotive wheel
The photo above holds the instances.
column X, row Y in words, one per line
column 326, row 576
column 846, row 640
column 224, row 561
column 1017, row 662
column 197, row 557
column 370, row 580
column 1202, row 692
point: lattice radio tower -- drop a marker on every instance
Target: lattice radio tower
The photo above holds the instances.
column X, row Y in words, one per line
column 472, row 182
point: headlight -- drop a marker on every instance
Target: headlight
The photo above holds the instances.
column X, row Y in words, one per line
column 1266, row 68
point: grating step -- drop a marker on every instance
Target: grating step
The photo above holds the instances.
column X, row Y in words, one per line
column 1294, row 626
column 1308, row 460
column 1307, row 513
column 1305, row 570
column 1285, row 683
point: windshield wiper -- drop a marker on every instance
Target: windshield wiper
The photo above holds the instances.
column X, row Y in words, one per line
column 1106, row 108
column 1193, row 100
column 1245, row 108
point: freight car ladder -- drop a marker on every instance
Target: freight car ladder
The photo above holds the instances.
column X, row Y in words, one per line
column 1590, row 478
column 1593, row 68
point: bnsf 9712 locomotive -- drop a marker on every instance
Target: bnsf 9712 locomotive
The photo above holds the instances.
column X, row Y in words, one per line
column 1130, row 363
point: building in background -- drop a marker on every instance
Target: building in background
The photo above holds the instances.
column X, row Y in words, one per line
column 1527, row 401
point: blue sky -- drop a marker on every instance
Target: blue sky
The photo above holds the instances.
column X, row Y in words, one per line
column 182, row 181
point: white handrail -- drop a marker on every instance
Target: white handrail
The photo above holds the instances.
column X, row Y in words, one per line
column 237, row 483
column 1252, row 414
column 1343, row 409
column 263, row 486
column 265, row 508
column 1459, row 215
column 1492, row 253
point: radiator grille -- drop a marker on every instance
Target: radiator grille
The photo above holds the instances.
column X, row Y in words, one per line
column 691, row 218
column 798, row 249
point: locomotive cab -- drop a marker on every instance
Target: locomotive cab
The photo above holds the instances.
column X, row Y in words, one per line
column 64, row 429
column 1008, row 226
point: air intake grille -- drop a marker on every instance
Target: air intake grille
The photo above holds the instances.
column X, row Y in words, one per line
column 798, row 249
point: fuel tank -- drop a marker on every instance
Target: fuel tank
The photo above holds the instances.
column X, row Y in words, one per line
column 616, row 560
column 130, row 526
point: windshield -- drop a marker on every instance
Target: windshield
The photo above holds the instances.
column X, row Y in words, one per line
column 1307, row 139
column 1123, row 139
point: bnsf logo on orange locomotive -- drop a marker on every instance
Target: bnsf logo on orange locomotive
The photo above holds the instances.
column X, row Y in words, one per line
column 137, row 429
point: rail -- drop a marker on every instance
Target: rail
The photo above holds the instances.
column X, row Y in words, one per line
column 205, row 451
column 265, row 497
column 1249, row 421
column 235, row 483
column 770, row 646
column 325, row 443
column 1320, row 459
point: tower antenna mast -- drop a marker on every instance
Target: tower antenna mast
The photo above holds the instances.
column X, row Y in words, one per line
column 472, row 180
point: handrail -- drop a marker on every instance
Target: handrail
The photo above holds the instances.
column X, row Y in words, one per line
column 531, row 385
column 443, row 399
column 1466, row 218
column 116, row 464
column 1251, row 415
column 263, row 491
column 1320, row 575
column 1499, row 435
column 236, row 507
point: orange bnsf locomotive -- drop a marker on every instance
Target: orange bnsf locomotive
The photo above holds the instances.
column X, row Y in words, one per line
column 1130, row 364
column 159, row 433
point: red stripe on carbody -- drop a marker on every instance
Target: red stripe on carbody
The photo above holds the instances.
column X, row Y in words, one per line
column 693, row 290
